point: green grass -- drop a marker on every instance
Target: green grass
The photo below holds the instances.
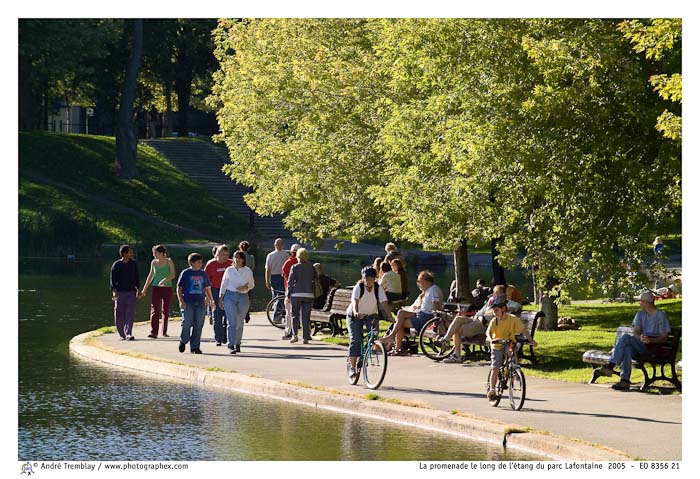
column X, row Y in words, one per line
column 86, row 163
column 559, row 353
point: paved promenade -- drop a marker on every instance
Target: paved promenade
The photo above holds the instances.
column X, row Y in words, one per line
column 638, row 424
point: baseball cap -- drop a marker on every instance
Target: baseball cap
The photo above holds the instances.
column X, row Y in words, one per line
column 295, row 247
column 369, row 271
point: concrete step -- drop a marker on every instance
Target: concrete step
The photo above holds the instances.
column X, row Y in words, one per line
column 203, row 164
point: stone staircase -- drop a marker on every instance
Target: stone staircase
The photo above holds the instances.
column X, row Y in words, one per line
column 202, row 162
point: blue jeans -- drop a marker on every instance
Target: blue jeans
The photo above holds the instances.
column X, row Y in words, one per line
column 192, row 324
column 277, row 288
column 219, row 315
column 355, row 325
column 236, row 305
column 627, row 348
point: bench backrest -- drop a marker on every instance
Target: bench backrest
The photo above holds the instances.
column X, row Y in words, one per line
column 529, row 320
column 339, row 300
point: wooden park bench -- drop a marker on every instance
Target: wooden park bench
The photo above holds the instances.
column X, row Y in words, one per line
column 477, row 346
column 332, row 315
column 665, row 355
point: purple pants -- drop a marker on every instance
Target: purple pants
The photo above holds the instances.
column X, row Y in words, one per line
column 124, row 311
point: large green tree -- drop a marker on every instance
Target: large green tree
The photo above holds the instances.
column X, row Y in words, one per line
column 539, row 133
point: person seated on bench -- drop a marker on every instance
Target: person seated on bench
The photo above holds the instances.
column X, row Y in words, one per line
column 462, row 327
column 327, row 282
column 480, row 294
column 499, row 292
column 503, row 326
column 391, row 282
column 514, row 298
column 418, row 313
column 651, row 327
column 397, row 267
column 367, row 298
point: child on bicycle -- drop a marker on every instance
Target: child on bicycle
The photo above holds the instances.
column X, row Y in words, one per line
column 367, row 298
column 504, row 326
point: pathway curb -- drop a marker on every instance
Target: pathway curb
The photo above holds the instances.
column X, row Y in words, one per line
column 548, row 445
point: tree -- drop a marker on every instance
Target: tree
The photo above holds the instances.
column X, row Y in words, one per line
column 126, row 140
column 539, row 133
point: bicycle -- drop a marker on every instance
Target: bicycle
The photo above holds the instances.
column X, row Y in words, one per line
column 279, row 320
column 436, row 328
column 510, row 377
column 373, row 359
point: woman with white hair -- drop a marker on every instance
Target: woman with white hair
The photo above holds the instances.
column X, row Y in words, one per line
column 300, row 290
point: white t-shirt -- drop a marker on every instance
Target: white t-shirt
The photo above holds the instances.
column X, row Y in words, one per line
column 432, row 295
column 235, row 278
column 367, row 304
column 275, row 261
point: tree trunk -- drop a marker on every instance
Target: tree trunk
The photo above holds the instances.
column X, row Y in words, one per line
column 462, row 271
column 183, row 87
column 168, row 115
column 126, row 138
column 499, row 274
column 551, row 311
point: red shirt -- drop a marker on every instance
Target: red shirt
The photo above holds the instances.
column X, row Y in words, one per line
column 287, row 267
column 215, row 271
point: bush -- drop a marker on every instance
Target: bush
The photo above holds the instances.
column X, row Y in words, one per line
column 57, row 234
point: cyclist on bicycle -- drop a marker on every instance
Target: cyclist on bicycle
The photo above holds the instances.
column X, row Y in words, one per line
column 504, row 326
column 367, row 298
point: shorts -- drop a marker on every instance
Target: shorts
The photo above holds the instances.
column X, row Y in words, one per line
column 419, row 320
column 497, row 356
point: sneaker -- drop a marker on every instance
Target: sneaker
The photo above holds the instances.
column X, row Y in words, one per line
column 122, row 338
column 152, row 336
column 604, row 371
column 166, row 335
column 181, row 347
column 294, row 339
column 238, row 348
column 351, row 370
column 492, row 394
column 287, row 336
column 623, row 385
column 232, row 351
column 452, row 359
column 218, row 343
column 196, row 351
column 306, row 341
column 130, row 338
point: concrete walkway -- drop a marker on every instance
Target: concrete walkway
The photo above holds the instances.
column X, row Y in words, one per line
column 639, row 424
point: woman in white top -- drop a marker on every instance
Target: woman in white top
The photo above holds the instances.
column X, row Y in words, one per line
column 367, row 298
column 233, row 298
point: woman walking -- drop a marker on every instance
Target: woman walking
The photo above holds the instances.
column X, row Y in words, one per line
column 300, row 290
column 161, row 275
column 233, row 298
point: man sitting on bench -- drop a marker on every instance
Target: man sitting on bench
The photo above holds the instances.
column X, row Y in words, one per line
column 651, row 327
column 462, row 327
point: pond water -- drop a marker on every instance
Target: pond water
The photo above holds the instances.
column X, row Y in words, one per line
column 72, row 409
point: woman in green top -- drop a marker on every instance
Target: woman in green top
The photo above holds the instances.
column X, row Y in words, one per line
column 161, row 274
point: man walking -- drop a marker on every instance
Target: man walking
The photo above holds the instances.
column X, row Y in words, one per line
column 124, row 281
column 273, row 274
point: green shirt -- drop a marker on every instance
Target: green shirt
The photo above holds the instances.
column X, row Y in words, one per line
column 161, row 272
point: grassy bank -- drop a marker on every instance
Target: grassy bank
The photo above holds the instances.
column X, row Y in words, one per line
column 559, row 352
column 67, row 182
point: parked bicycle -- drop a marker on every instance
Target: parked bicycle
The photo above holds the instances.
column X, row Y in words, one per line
column 373, row 359
column 510, row 378
column 278, row 320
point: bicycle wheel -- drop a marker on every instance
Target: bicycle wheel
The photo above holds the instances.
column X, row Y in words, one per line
column 280, row 321
column 428, row 343
column 499, row 388
column 374, row 364
column 516, row 392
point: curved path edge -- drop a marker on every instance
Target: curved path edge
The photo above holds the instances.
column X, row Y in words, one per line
column 510, row 435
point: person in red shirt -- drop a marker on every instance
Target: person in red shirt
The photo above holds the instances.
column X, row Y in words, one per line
column 286, row 268
column 215, row 272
